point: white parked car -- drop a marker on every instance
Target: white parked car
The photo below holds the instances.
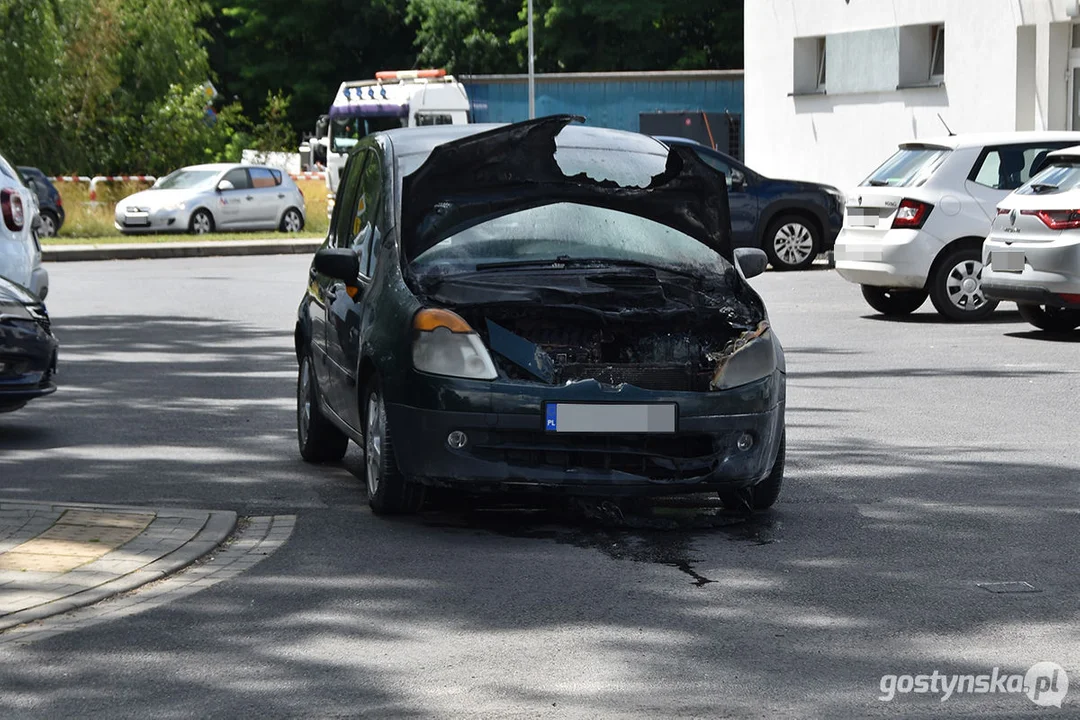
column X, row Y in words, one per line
column 223, row 196
column 1032, row 255
column 20, row 253
column 916, row 225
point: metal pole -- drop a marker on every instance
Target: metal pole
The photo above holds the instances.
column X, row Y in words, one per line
column 532, row 68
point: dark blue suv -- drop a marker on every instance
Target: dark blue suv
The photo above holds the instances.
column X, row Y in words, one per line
column 50, row 204
column 792, row 221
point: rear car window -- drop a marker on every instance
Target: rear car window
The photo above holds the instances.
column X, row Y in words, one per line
column 909, row 167
column 277, row 176
column 1059, row 176
column 262, row 178
column 1008, row 167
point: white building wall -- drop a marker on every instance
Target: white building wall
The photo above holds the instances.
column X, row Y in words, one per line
column 994, row 49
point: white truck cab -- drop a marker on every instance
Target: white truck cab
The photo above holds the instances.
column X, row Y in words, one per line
column 394, row 99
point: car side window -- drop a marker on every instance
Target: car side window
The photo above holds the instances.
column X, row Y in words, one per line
column 717, row 163
column 345, row 205
column 366, row 214
column 1009, row 166
column 261, row 178
column 239, row 178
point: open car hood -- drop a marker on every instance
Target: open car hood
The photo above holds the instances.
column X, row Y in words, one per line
column 483, row 176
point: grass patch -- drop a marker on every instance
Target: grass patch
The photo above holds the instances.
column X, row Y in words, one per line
column 88, row 222
column 177, row 238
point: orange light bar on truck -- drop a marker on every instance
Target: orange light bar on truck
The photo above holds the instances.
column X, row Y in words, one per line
column 409, row 74
column 431, row 318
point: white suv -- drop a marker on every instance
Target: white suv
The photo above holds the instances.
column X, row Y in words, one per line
column 1032, row 255
column 20, row 254
column 916, row 226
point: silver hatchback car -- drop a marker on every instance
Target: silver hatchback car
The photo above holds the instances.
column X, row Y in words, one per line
column 1032, row 255
column 225, row 196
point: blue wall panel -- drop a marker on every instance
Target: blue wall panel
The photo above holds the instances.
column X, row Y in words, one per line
column 604, row 102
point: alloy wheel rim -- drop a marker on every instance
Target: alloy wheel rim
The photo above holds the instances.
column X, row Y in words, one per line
column 304, row 400
column 202, row 224
column 793, row 243
column 373, row 443
column 292, row 221
column 48, row 226
column 963, row 285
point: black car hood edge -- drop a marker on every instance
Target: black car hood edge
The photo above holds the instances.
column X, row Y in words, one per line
column 486, row 175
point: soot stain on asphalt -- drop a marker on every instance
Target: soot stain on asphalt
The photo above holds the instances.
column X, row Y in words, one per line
column 660, row 531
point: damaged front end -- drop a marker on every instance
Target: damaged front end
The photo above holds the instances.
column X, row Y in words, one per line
column 544, row 290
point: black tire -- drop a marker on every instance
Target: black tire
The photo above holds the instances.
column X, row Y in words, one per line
column 50, row 224
column 950, row 291
column 319, row 440
column 292, row 217
column 792, row 242
column 763, row 495
column 201, row 222
column 1048, row 318
column 389, row 492
column 893, row 303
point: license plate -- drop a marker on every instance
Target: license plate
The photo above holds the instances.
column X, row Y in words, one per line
column 610, row 418
column 862, row 217
column 140, row 219
column 1007, row 261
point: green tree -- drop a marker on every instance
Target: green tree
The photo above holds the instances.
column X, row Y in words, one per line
column 466, row 36
column 307, row 48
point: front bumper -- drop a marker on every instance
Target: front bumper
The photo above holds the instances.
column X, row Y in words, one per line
column 27, row 363
column 889, row 258
column 151, row 222
column 509, row 451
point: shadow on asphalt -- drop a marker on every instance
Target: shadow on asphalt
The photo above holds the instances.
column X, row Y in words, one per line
column 1043, row 336
column 1000, row 317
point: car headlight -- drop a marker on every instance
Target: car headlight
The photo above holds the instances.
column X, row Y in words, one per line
column 174, row 207
column 444, row 344
column 747, row 358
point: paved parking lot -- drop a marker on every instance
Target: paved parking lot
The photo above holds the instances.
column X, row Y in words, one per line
column 924, row 459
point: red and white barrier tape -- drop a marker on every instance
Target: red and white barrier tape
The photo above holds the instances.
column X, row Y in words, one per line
column 308, row 176
column 71, row 178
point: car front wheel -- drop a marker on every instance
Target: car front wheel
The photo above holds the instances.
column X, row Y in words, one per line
column 1050, row 319
column 291, row 221
column 792, row 243
column 319, row 440
column 893, row 303
column 956, row 287
column 389, row 492
column 202, row 222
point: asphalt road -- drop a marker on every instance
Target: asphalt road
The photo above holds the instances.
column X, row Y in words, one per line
column 923, row 458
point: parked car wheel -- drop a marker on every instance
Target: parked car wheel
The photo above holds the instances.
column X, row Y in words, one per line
column 893, row 303
column 319, row 440
column 202, row 222
column 389, row 492
column 792, row 243
column 1048, row 318
column 956, row 287
column 50, row 223
column 763, row 495
column 292, row 221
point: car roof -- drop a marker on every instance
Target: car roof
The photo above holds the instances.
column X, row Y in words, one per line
column 411, row 141
column 225, row 166
column 978, row 140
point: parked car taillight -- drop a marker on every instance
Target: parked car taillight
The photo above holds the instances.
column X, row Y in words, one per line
column 12, row 206
column 911, row 214
column 1057, row 219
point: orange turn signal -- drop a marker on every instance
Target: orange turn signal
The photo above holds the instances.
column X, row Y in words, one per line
column 431, row 318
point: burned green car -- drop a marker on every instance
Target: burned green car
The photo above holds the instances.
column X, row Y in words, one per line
column 540, row 306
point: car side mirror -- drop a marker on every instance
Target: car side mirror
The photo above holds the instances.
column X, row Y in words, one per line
column 225, row 185
column 338, row 263
column 738, row 180
column 751, row 261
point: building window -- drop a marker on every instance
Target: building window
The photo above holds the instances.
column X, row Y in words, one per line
column 809, row 67
column 937, row 59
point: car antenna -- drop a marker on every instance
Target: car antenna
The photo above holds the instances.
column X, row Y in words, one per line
column 951, row 133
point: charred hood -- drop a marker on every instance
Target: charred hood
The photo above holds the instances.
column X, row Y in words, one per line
column 483, row 176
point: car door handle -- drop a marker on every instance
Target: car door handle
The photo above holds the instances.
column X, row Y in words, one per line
column 281, row 196
column 250, row 197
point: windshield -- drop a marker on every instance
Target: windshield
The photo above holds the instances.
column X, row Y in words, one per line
column 187, row 179
column 573, row 232
column 346, row 132
column 909, row 167
column 1059, row 177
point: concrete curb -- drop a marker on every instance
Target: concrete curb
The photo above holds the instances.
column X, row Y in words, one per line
column 148, row 251
column 216, row 528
